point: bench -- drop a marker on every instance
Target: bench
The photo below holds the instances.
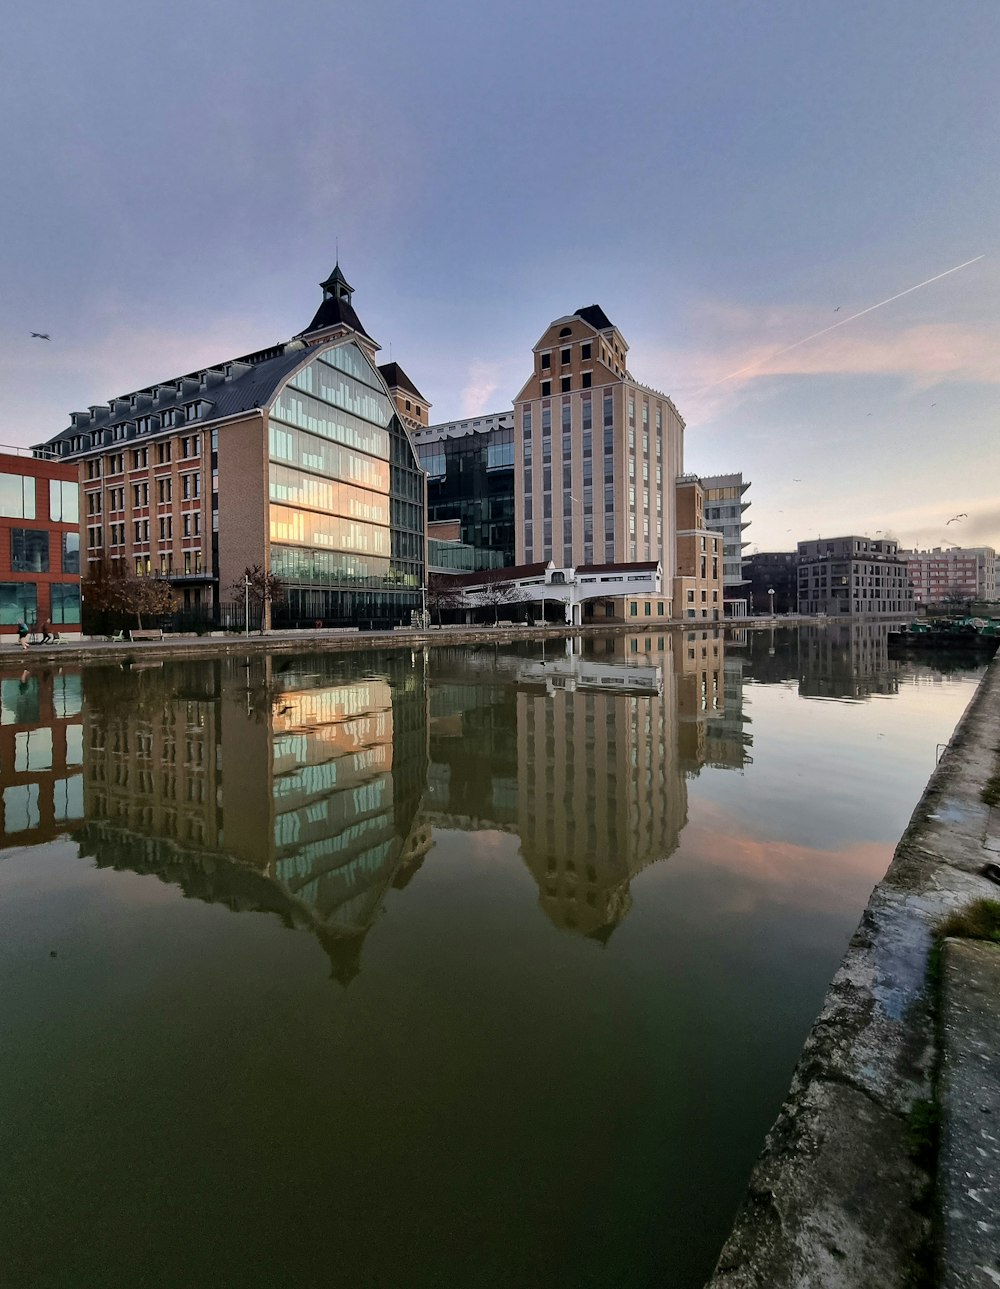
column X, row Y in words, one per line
column 154, row 633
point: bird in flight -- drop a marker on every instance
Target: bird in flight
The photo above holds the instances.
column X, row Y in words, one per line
column 955, row 518
column 40, row 335
column 933, row 404
column 837, row 310
column 796, row 481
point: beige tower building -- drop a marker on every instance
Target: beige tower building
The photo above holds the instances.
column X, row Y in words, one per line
column 596, row 454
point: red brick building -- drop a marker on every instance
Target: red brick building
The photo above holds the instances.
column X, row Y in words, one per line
column 39, row 544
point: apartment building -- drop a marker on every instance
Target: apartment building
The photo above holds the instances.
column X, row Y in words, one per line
column 295, row 457
column 724, row 513
column 853, row 575
column 955, row 575
column 596, row 454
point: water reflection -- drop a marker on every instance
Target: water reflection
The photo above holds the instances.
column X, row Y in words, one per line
column 310, row 787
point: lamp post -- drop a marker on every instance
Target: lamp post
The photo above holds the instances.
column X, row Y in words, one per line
column 246, row 604
column 423, row 608
column 770, row 593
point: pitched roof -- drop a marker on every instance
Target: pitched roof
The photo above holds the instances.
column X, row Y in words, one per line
column 514, row 574
column 333, row 311
column 596, row 316
column 396, row 378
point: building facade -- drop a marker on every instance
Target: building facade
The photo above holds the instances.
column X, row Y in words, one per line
column 596, row 454
column 470, row 481
column 952, row 576
column 39, row 544
column 724, row 511
column 294, row 458
column 853, row 575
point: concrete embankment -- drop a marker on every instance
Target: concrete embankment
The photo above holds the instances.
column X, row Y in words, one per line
column 847, row 1193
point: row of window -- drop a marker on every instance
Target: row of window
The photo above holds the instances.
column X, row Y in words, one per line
column 18, row 499
column 29, row 551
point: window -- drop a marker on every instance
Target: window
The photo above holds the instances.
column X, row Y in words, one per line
column 546, row 362
column 93, row 503
column 585, row 350
column 564, row 384
column 633, row 609
column 586, row 379
column 65, row 603
column 564, row 356
column 546, row 388
column 29, row 550
column 162, row 453
column 18, row 601
column 17, row 496
column 166, row 489
column 71, row 552
column 94, row 468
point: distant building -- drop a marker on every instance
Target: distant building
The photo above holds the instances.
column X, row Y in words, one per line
column 724, row 510
column 775, row 571
column 470, row 481
column 39, row 543
column 596, row 454
column 853, row 575
column 295, row 457
column 955, row 575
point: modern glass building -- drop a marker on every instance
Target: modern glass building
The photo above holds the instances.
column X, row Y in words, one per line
column 295, row 458
column 470, row 481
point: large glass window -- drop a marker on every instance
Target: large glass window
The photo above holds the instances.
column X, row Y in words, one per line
column 18, row 602
column 65, row 603
column 71, row 552
column 17, row 496
column 29, row 550
column 64, row 502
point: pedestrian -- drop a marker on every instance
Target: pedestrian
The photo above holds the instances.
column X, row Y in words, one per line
column 47, row 631
column 22, row 635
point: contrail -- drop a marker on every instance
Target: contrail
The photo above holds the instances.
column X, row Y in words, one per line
column 844, row 321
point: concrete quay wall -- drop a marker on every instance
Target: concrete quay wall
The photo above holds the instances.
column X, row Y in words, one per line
column 841, row 1196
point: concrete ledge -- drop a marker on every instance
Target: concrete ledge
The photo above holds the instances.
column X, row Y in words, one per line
column 837, row 1199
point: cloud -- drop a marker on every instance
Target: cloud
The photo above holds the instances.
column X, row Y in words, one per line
column 482, row 383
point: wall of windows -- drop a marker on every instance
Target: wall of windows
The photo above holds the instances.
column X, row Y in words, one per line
column 29, row 550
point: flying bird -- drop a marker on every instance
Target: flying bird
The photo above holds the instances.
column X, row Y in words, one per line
column 955, row 518
column 933, row 404
column 40, row 335
column 837, row 310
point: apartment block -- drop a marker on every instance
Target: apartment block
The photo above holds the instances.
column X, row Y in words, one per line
column 853, row 575
column 955, row 575
column 724, row 513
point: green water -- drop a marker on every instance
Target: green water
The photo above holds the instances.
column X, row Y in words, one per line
column 460, row 968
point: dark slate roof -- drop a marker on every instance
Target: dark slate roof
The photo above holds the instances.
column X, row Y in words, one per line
column 333, row 311
column 515, row 573
column 642, row 566
column 596, row 316
column 396, row 378
column 254, row 388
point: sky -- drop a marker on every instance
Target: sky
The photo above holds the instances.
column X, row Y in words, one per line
column 724, row 177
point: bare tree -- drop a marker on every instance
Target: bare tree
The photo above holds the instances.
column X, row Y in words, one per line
column 262, row 588
column 442, row 595
column 498, row 594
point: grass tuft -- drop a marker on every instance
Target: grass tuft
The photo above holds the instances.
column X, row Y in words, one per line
column 979, row 921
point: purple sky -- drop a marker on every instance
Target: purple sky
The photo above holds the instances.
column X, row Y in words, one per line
column 718, row 176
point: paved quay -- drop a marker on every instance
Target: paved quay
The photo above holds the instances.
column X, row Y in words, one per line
column 849, row 1192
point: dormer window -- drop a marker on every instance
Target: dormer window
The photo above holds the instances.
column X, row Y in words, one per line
column 566, row 331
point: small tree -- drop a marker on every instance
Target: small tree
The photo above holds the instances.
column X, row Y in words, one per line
column 262, row 588
column 150, row 595
column 109, row 588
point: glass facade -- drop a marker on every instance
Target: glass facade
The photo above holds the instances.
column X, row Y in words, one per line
column 346, row 496
column 471, row 480
column 65, row 603
column 29, row 550
column 64, row 502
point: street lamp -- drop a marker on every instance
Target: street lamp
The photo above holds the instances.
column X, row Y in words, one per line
column 423, row 608
column 246, row 604
column 770, row 592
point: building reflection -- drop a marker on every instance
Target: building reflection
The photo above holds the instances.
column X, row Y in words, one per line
column 41, row 754
column 847, row 660
column 271, row 784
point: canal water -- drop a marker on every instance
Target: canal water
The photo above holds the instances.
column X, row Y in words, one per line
column 468, row 967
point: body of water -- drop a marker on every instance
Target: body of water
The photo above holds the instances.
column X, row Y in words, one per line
column 467, row 967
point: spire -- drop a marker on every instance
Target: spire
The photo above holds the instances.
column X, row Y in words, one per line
column 336, row 286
